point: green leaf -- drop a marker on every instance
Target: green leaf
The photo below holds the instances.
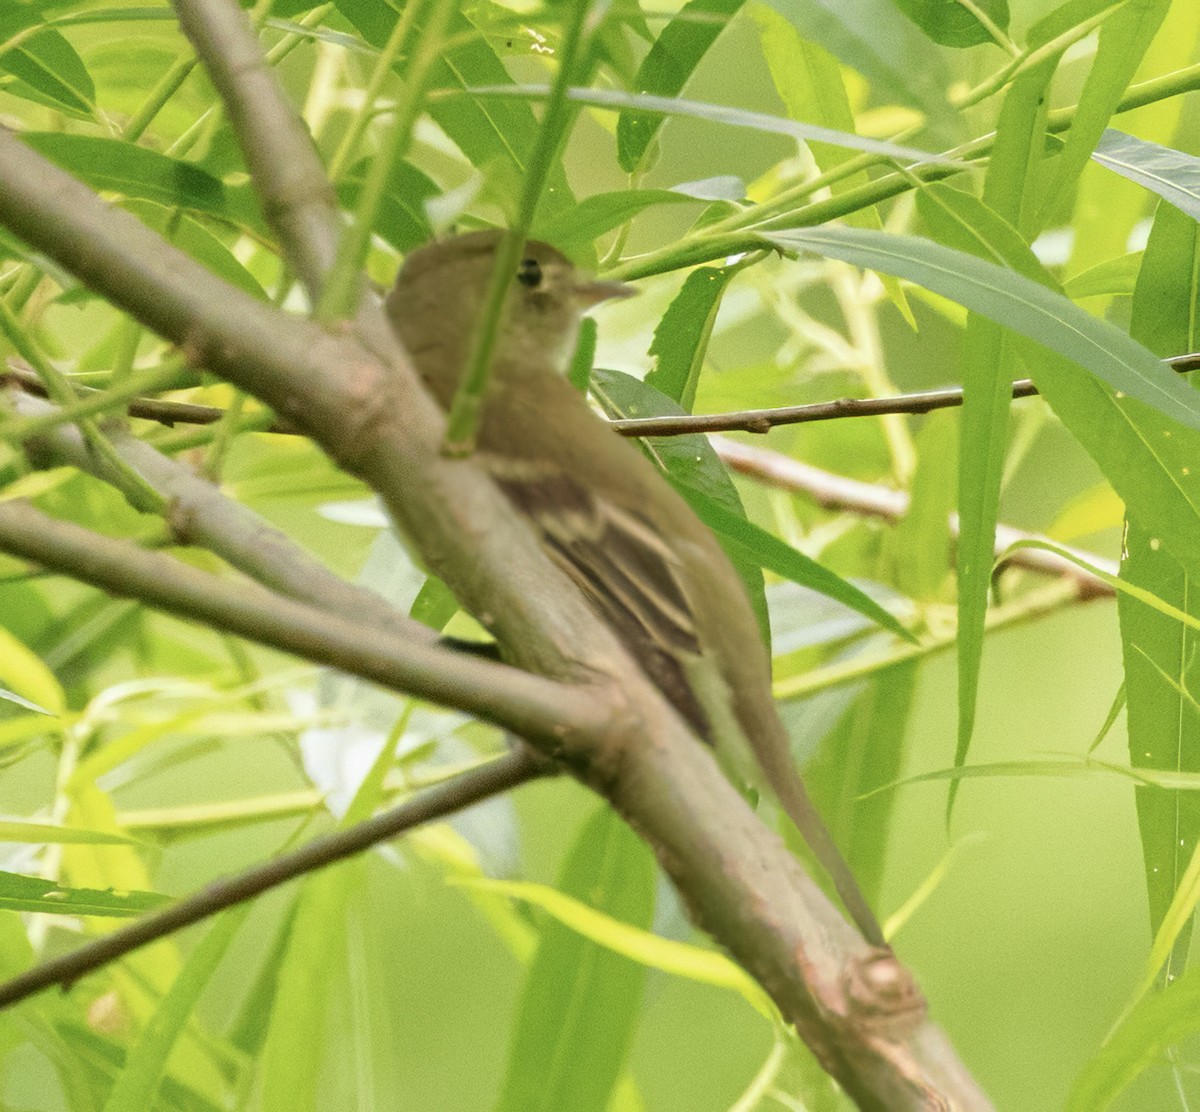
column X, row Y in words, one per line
column 863, row 752
column 1113, row 276
column 44, row 834
column 699, row 475
column 1161, row 664
column 682, row 336
column 721, row 114
column 752, row 543
column 494, row 135
column 954, row 24
column 810, row 84
column 1139, row 1042
column 1124, row 39
column 1173, row 175
column 872, row 37
column 138, row 1082
column 33, row 684
column 33, row 893
column 666, row 68
column 113, row 166
column 601, row 213
column 1017, row 302
column 963, row 221
column 921, row 543
column 582, row 999
column 402, row 220
column 198, row 242
column 48, row 71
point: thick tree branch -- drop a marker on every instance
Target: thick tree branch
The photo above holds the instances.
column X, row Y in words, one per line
column 465, row 790
column 373, row 418
column 857, row 1009
column 531, row 706
column 200, row 514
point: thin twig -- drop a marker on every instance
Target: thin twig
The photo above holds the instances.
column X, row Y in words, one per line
column 763, row 420
column 745, row 420
column 471, row 787
column 837, row 492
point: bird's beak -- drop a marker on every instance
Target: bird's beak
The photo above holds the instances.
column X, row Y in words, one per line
column 593, row 291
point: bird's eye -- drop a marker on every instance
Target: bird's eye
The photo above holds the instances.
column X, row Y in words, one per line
column 529, row 273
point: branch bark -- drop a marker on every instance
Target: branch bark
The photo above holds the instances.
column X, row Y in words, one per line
column 356, row 396
column 465, row 790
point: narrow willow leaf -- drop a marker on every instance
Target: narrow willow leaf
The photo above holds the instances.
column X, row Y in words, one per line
column 601, row 213
column 770, row 552
column 688, row 461
column 962, row 221
column 44, row 833
column 495, row 136
column 920, row 545
column 1106, row 279
column 720, row 114
column 666, row 68
column 50, row 72
column 113, row 166
column 809, row 82
column 193, row 238
column 1015, row 301
column 138, row 1082
column 33, row 684
column 957, row 25
column 864, row 751
column 1160, row 658
column 34, row 893
column 872, row 37
column 682, row 336
column 583, row 997
column 402, row 219
column 1173, row 175
column 1139, row 1042
column 677, row 958
column 1124, row 39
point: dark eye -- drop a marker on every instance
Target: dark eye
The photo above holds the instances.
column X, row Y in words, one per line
column 529, row 273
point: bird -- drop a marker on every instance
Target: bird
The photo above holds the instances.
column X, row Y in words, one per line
column 603, row 513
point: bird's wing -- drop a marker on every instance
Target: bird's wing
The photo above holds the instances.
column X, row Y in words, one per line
column 622, row 565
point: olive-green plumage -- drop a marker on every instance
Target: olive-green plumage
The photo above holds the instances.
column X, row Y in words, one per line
column 603, row 512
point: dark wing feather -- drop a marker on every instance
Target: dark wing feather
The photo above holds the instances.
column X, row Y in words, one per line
column 622, row 566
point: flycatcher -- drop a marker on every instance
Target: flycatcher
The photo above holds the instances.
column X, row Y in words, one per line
column 604, row 514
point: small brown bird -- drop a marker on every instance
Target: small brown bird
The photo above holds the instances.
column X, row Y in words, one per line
column 647, row 565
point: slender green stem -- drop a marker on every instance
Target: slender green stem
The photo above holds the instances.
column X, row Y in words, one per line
column 465, row 410
column 723, row 238
column 998, row 35
column 341, row 291
column 141, row 494
column 383, row 68
column 143, row 382
column 1027, row 61
column 1036, row 604
column 168, row 85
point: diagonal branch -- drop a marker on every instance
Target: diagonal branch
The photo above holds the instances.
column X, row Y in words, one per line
column 529, row 705
column 471, row 787
column 200, row 514
column 856, row 1007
